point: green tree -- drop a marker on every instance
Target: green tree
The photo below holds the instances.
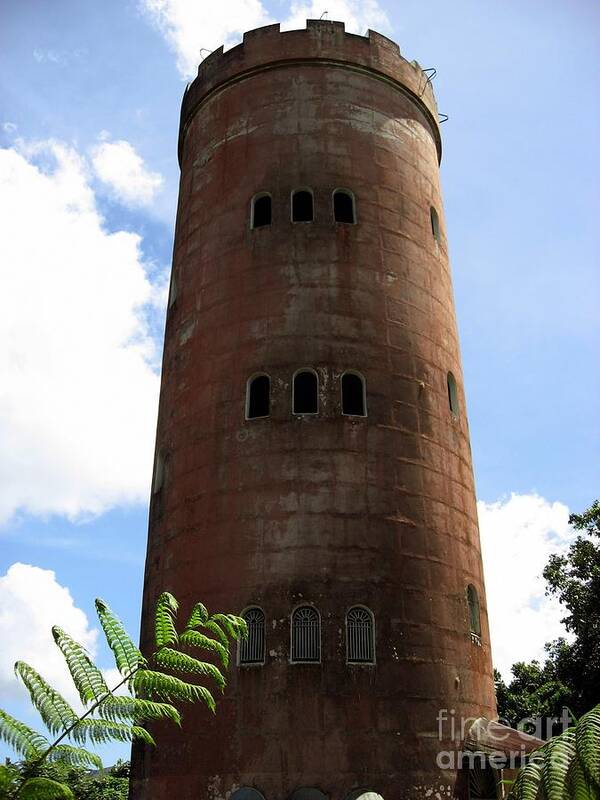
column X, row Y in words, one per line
column 153, row 690
column 570, row 674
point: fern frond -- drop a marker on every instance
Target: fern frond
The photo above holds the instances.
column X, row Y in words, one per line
column 191, row 638
column 587, row 738
column 559, row 754
column 235, row 627
column 528, row 781
column 217, row 632
column 101, row 731
column 53, row 708
column 127, row 656
column 138, row 732
column 87, row 678
column 23, row 739
column 181, row 662
column 120, row 707
column 74, row 756
column 164, row 625
column 45, row 789
column 169, row 688
column 577, row 785
column 197, row 617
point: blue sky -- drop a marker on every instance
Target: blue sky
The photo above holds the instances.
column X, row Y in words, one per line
column 90, row 96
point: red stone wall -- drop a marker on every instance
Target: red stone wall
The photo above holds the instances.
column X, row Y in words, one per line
column 326, row 510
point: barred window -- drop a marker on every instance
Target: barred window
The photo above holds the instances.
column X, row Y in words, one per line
column 261, row 211
column 252, row 649
column 360, row 644
column 306, row 634
column 258, row 398
column 343, row 206
column 474, row 613
column 353, row 395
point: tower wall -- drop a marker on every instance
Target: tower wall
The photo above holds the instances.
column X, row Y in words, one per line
column 329, row 510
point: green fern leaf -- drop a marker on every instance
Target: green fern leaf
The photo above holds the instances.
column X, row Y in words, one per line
column 181, row 662
column 74, row 756
column 196, row 639
column 235, row 627
column 45, row 789
column 141, row 733
column 529, row 780
column 24, row 740
column 217, row 632
column 577, row 785
column 101, row 731
column 87, row 678
column 117, row 708
column 587, row 739
column 560, row 752
column 127, row 656
column 166, row 610
column 197, row 617
column 54, row 709
column 169, row 688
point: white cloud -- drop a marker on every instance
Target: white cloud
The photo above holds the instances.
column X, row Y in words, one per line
column 31, row 602
column 517, row 537
column 9, row 127
column 189, row 25
column 78, row 391
column 122, row 168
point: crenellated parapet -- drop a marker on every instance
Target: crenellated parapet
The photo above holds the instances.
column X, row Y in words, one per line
column 321, row 42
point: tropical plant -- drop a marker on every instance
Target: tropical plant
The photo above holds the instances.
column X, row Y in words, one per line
column 566, row 767
column 153, row 691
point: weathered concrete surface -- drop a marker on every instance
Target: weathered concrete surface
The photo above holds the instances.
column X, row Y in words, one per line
column 329, row 510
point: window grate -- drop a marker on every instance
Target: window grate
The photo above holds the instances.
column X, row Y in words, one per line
column 306, row 635
column 359, row 636
column 252, row 649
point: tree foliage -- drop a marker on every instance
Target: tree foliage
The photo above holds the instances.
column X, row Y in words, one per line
column 570, row 675
column 154, row 693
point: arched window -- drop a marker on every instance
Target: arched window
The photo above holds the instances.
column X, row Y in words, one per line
column 344, row 207
column 258, row 402
column 474, row 614
column 161, row 468
column 305, row 399
column 302, row 206
column 354, row 400
column 252, row 649
column 308, row 794
column 261, row 210
column 306, row 634
column 246, row 793
column 435, row 224
column 360, row 639
column 452, row 394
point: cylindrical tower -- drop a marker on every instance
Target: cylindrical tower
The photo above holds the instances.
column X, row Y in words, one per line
column 313, row 459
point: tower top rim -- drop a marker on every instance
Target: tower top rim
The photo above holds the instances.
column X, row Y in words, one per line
column 322, row 42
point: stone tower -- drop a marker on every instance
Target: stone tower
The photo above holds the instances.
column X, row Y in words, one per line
column 313, row 463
